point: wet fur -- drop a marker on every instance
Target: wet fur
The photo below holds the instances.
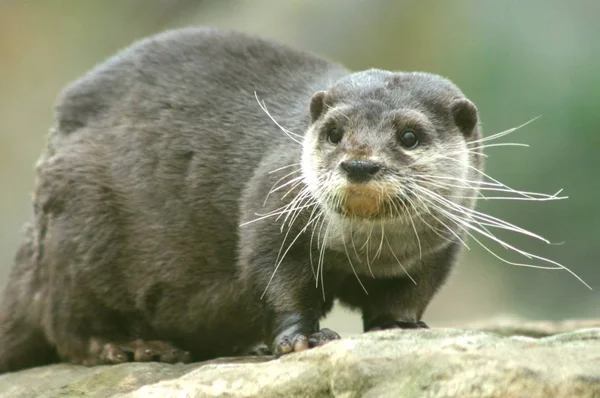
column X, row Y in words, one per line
column 158, row 156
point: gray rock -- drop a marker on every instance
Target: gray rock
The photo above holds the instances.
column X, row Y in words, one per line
column 399, row 363
column 510, row 326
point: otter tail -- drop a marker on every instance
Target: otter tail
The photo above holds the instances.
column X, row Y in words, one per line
column 22, row 340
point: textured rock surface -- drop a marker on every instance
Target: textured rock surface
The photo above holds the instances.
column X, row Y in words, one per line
column 411, row 363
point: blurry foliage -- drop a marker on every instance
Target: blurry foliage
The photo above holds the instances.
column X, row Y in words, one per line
column 516, row 60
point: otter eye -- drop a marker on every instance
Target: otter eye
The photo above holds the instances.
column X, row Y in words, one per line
column 334, row 136
column 409, row 139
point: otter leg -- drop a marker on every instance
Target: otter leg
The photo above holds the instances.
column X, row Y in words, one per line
column 295, row 307
column 393, row 303
column 399, row 303
column 296, row 333
column 100, row 351
column 86, row 332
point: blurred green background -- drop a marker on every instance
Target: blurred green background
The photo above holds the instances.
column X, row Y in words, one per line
column 515, row 59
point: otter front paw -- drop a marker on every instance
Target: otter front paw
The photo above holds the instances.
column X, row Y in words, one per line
column 102, row 352
column 299, row 342
column 397, row 325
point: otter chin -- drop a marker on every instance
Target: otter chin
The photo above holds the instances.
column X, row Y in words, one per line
column 365, row 202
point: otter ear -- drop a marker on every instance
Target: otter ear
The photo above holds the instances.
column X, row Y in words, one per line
column 465, row 116
column 317, row 103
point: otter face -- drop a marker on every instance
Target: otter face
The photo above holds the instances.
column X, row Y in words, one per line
column 383, row 145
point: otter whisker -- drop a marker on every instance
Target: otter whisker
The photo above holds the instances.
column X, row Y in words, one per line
column 295, row 213
column 352, row 241
column 296, row 185
column 273, row 212
column 465, row 225
column 430, row 158
column 322, row 245
column 378, row 252
column 519, row 144
column 322, row 259
column 493, row 187
column 474, row 214
column 298, row 212
column 477, row 150
column 303, row 196
column 268, row 215
column 523, row 253
column 306, row 191
column 320, row 241
column 340, row 201
column 280, row 260
column 458, row 221
column 297, row 205
column 287, row 132
column 365, row 245
column 480, row 195
column 503, row 133
column 351, row 265
column 435, row 230
column 276, row 187
column 439, row 205
column 485, row 175
column 503, row 198
column 366, row 249
column 279, row 255
column 336, row 110
column 535, row 196
column 414, row 227
column 470, row 183
column 310, row 253
column 399, row 263
column 394, row 210
column 285, row 167
column 314, row 218
column 273, row 189
column 294, row 204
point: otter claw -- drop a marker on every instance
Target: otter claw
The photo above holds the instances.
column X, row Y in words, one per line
column 301, row 342
column 137, row 351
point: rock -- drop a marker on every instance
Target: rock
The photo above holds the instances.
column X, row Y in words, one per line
column 396, row 363
column 510, row 326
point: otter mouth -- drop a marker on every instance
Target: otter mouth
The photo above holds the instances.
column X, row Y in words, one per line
column 367, row 203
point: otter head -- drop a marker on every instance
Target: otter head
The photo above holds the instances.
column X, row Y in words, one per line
column 385, row 146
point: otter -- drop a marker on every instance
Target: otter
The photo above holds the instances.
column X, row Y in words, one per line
column 205, row 191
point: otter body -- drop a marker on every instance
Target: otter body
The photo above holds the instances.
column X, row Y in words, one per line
column 176, row 220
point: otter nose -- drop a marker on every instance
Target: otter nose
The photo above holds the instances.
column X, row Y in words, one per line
column 360, row 170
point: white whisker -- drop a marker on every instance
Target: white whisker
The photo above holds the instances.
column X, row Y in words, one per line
column 351, row 265
column 287, row 132
column 503, row 133
column 399, row 263
column 465, row 225
column 285, row 167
